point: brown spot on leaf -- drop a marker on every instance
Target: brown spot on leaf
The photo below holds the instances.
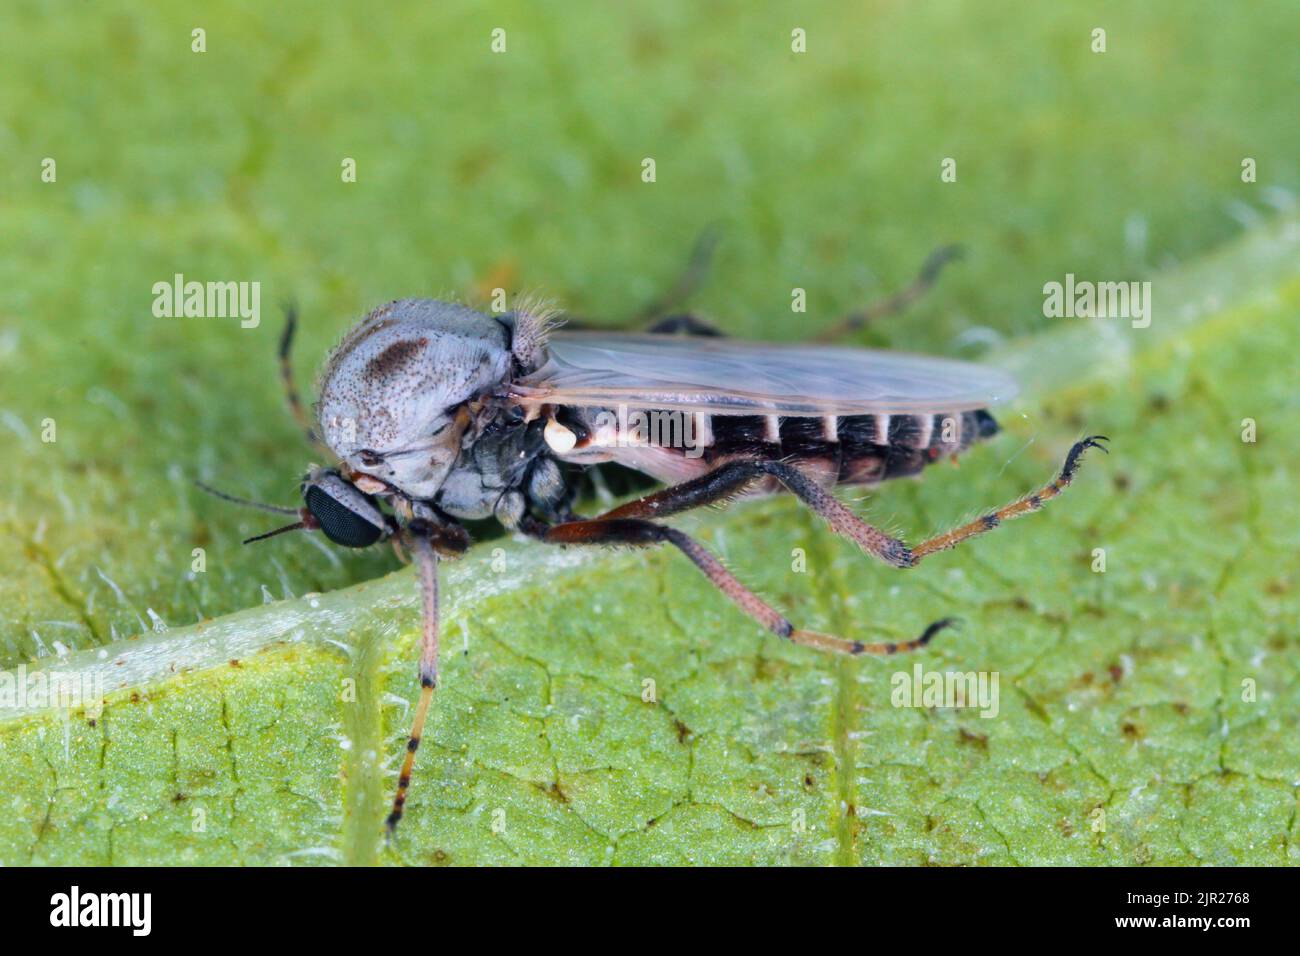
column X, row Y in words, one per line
column 554, row 791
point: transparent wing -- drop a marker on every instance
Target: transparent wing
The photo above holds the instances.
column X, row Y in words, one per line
column 726, row 377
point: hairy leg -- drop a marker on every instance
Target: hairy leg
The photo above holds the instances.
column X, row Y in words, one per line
column 732, row 478
column 1021, row 506
column 427, row 558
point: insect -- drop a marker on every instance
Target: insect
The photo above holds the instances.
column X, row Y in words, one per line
column 437, row 414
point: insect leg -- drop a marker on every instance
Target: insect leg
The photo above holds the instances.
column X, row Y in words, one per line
column 713, row 487
column 732, row 478
column 1017, row 508
column 427, row 559
column 291, row 396
column 899, row 301
column 685, row 324
column 687, row 284
column 692, row 277
column 680, row 323
column 640, row 533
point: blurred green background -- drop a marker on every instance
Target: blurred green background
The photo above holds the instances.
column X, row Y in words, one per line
column 523, row 170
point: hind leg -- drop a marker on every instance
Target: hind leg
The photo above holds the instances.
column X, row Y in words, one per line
column 730, row 479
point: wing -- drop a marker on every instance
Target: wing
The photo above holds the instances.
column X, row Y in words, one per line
column 726, row 377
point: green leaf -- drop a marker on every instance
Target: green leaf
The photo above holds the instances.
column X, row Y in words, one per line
column 248, row 722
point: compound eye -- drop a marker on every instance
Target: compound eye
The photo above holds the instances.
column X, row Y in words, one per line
column 340, row 523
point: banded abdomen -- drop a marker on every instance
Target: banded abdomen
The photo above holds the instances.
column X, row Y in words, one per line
column 846, row 450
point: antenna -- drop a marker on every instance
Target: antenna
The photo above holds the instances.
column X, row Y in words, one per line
column 271, row 534
column 274, row 509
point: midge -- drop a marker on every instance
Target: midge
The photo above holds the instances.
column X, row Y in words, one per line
column 437, row 413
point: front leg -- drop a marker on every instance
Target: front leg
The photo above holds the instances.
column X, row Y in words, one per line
column 421, row 536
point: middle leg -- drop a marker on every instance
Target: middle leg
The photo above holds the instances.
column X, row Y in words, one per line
column 731, row 479
column 636, row 532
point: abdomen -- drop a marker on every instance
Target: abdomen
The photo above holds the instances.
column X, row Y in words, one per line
column 843, row 450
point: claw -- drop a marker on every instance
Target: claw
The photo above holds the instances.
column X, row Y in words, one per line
column 928, row 634
column 1072, row 459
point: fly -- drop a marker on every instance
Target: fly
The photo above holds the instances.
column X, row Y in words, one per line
column 436, row 413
